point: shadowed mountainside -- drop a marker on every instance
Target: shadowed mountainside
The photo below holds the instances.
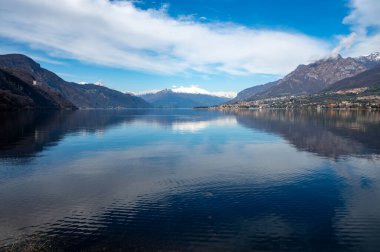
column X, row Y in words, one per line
column 82, row 96
column 368, row 79
column 18, row 94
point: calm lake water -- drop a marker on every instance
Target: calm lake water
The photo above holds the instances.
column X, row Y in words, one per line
column 188, row 180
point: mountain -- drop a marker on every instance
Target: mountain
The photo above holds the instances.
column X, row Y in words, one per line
column 82, row 96
column 249, row 92
column 167, row 98
column 18, row 94
column 369, row 79
column 315, row 77
column 369, row 61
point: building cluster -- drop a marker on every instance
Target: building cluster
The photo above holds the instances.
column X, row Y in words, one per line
column 289, row 102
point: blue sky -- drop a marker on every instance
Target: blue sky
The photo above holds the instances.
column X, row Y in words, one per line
column 218, row 45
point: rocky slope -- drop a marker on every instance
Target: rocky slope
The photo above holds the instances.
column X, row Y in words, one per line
column 315, row 77
column 369, row 79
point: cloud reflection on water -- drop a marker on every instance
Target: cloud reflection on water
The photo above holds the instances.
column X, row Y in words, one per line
column 274, row 184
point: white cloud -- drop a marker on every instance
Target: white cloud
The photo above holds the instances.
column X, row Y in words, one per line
column 6, row 49
column 344, row 44
column 364, row 14
column 120, row 35
column 365, row 23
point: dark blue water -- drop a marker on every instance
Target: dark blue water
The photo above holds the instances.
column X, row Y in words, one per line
column 187, row 180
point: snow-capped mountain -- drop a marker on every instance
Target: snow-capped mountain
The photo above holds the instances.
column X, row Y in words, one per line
column 370, row 60
column 185, row 97
column 197, row 90
column 193, row 89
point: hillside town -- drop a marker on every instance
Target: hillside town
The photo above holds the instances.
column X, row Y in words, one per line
column 328, row 101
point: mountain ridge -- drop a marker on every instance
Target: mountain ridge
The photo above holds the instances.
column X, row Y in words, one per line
column 17, row 94
column 366, row 79
column 167, row 98
column 81, row 95
column 312, row 78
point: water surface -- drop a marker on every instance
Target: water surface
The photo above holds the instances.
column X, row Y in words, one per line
column 191, row 180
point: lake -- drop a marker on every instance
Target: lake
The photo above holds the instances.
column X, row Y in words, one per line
column 191, row 180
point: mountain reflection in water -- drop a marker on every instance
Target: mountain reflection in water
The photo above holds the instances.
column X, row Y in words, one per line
column 191, row 179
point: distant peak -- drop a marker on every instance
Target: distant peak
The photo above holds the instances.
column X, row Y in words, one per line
column 374, row 56
column 18, row 60
column 337, row 56
column 195, row 90
column 166, row 90
column 332, row 57
column 16, row 56
column 371, row 58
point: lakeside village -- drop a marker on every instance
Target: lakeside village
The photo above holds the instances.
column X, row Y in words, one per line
column 337, row 100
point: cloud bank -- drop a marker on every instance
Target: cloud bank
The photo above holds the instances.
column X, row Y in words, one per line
column 364, row 22
column 119, row 34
